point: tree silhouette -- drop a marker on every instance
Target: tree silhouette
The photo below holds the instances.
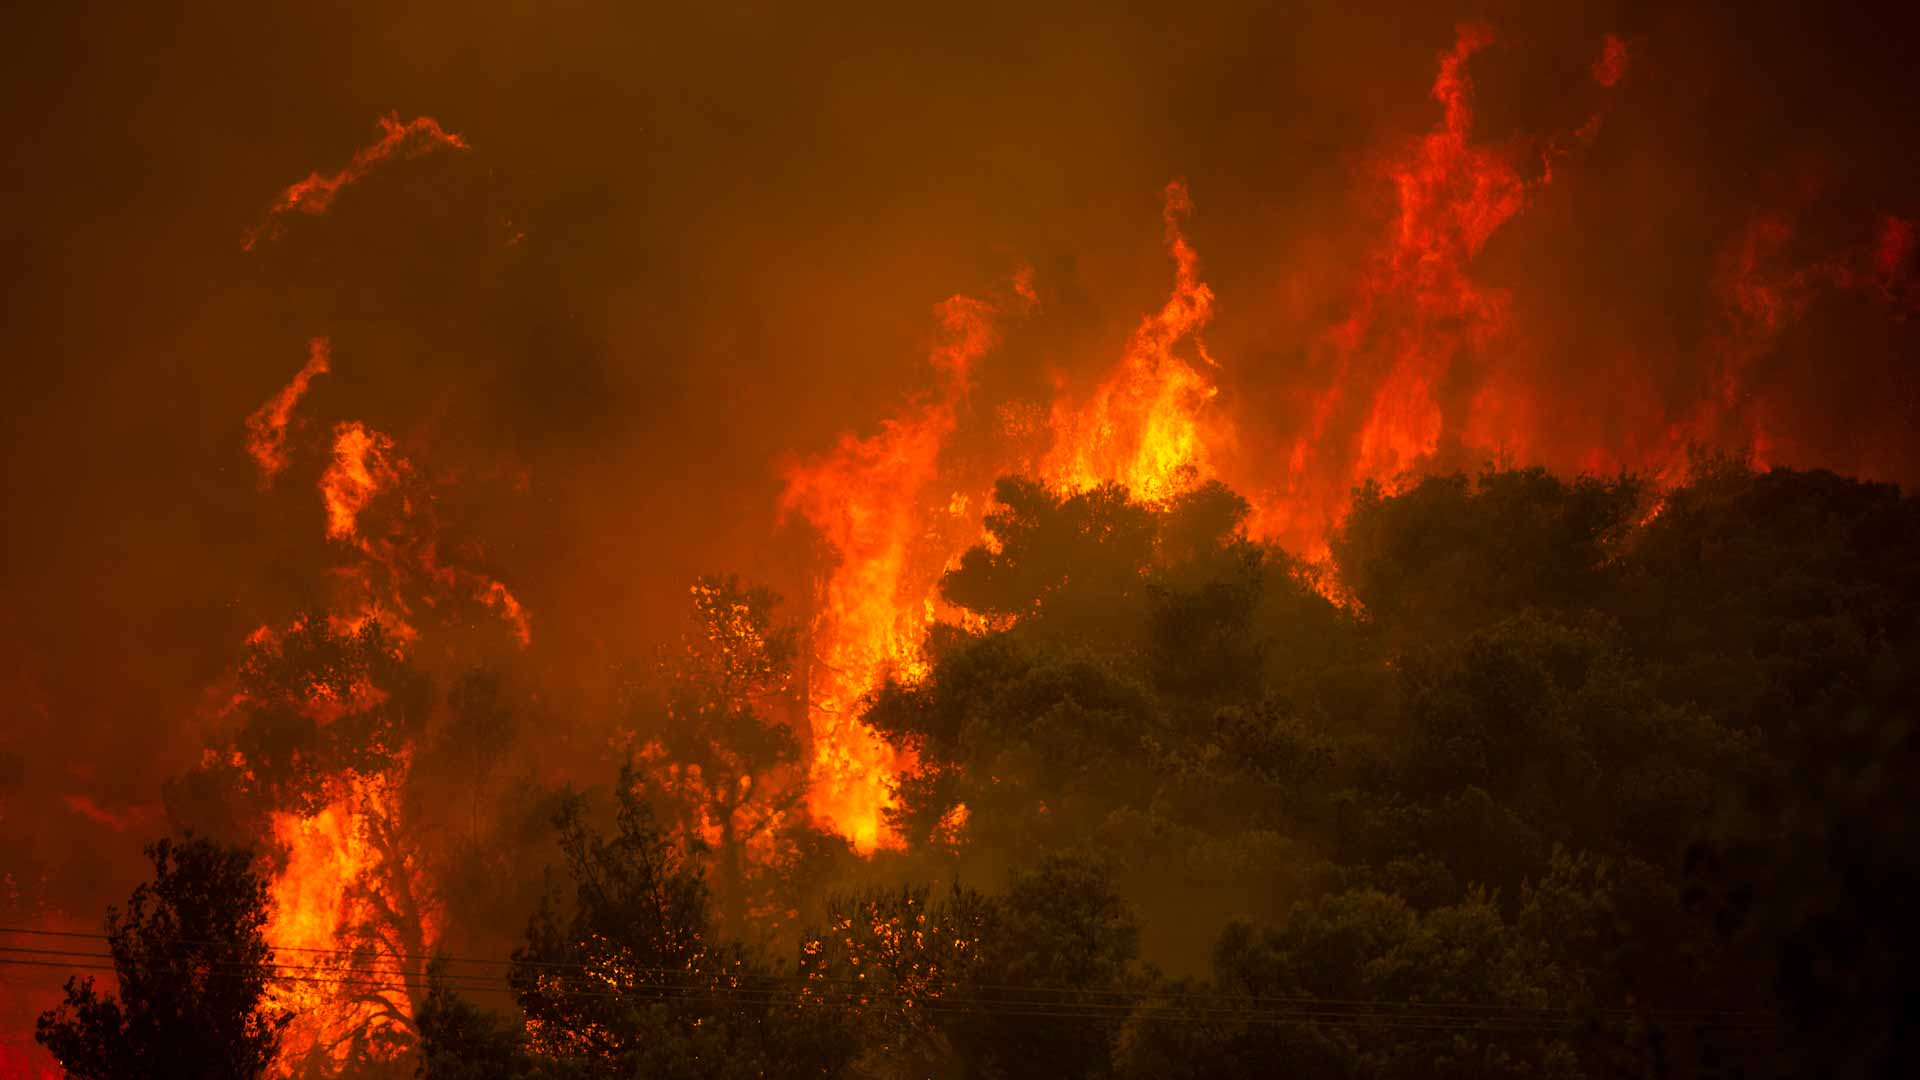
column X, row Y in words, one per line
column 1062, row 935
column 626, row 976
column 1570, row 778
column 192, row 965
column 327, row 718
column 1071, row 566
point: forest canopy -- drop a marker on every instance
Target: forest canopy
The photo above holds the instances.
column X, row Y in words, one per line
column 1540, row 777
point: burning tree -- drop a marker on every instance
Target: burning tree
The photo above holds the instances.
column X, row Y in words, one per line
column 318, row 764
column 315, row 753
column 723, row 751
column 891, row 956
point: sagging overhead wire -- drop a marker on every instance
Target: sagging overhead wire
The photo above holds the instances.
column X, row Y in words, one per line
column 1028, row 1001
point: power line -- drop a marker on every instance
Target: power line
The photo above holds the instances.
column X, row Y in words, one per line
column 1384, row 1014
column 1122, row 1000
column 1127, row 998
column 942, row 1007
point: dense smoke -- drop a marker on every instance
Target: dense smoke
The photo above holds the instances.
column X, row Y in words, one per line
column 503, row 327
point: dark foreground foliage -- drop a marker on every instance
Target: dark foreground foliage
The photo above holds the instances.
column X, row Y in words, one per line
column 1585, row 780
column 1575, row 779
column 192, row 968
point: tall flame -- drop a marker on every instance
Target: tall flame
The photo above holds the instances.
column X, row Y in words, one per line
column 349, row 926
column 894, row 529
column 1151, row 424
column 866, row 499
column 1411, row 374
column 351, row 912
column 1145, row 426
column 1424, row 367
column 1416, row 313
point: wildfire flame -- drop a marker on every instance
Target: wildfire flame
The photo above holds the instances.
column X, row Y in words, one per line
column 1412, row 372
column 1415, row 311
column 348, row 929
column 364, row 464
column 1383, row 404
column 895, row 519
column 895, row 530
column 1145, row 425
column 865, row 499
column 351, row 913
column 267, row 427
column 312, row 196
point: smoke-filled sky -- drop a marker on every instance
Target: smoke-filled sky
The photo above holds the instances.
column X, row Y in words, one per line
column 686, row 245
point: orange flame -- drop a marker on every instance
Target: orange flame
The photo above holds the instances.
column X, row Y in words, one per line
column 1415, row 312
column 366, row 465
column 1420, row 371
column 1151, row 426
column 363, row 465
column 267, row 427
column 312, row 196
column 351, row 915
column 865, row 498
column 501, row 599
column 895, row 531
column 348, row 929
column 1144, row 427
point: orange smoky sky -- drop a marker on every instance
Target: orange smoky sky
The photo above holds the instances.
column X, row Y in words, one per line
column 599, row 280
